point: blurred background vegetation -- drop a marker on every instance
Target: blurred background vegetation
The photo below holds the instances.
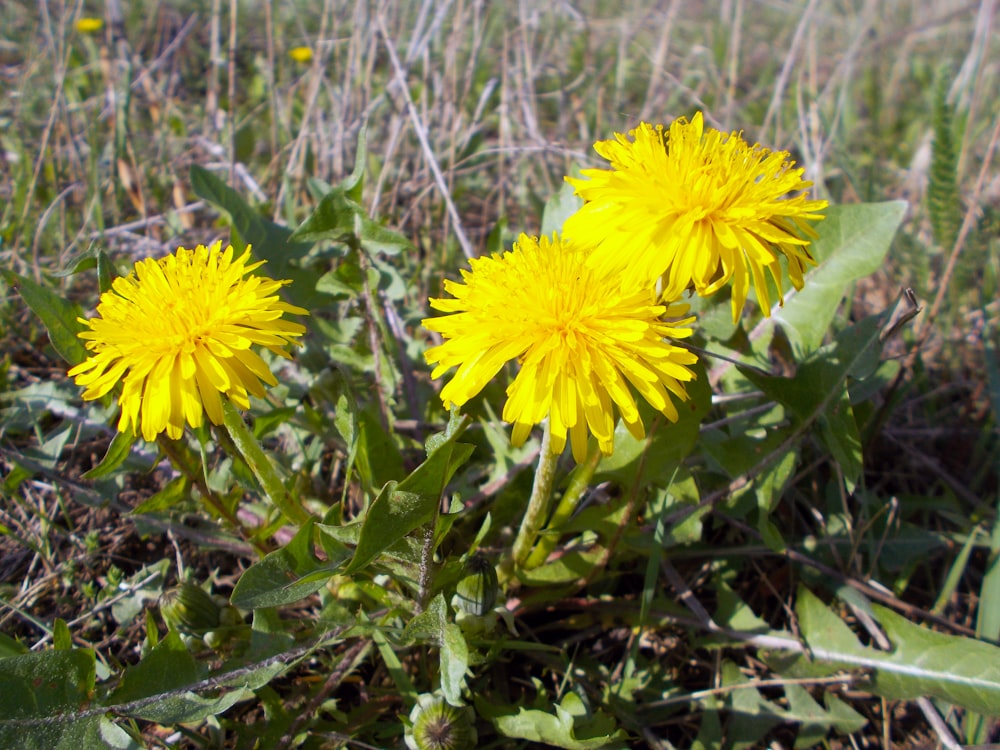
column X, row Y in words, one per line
column 876, row 99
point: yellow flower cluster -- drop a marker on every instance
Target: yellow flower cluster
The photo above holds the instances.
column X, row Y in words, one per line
column 590, row 316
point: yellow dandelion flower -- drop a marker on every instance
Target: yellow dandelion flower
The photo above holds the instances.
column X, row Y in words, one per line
column 301, row 54
column 89, row 25
column 178, row 331
column 579, row 337
column 697, row 208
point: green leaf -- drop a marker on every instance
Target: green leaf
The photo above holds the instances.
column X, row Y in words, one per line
column 10, row 646
column 189, row 707
column 353, row 185
column 163, row 686
column 177, row 490
column 338, row 218
column 818, row 390
column 333, row 219
column 45, row 684
column 285, row 575
column 569, row 566
column 378, row 238
column 377, row 459
column 118, row 451
column 839, row 431
column 559, row 207
column 271, row 242
column 62, row 638
column 142, row 586
column 853, row 242
column 495, row 239
column 167, row 667
column 433, row 625
column 57, row 315
column 401, row 508
column 751, row 715
column 569, row 727
column 653, row 459
column 922, row 662
column 66, row 733
column 105, row 271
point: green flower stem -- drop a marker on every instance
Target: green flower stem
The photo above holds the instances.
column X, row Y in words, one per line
column 579, row 481
column 176, row 454
column 260, row 464
column 538, row 505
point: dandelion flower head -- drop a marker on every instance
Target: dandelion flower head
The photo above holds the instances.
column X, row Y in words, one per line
column 88, row 25
column 580, row 339
column 301, row 54
column 697, row 207
column 178, row 334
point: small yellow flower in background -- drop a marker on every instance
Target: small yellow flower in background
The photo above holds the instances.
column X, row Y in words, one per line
column 301, row 54
column 178, row 332
column 579, row 337
column 89, row 25
column 695, row 208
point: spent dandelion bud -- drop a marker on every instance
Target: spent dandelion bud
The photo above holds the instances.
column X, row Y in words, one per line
column 436, row 725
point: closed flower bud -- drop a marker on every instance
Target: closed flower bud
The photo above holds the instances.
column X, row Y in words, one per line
column 476, row 593
column 190, row 609
column 436, row 725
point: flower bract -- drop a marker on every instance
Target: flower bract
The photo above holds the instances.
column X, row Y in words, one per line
column 179, row 332
column 696, row 207
column 582, row 341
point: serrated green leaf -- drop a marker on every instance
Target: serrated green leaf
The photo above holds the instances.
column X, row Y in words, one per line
column 333, row 219
column 733, row 613
column 568, row 727
column 959, row 670
column 818, row 391
column 839, row 432
column 378, row 238
column 814, row 720
column 189, row 707
column 401, row 508
column 285, row 575
column 922, row 662
column 164, row 686
column 378, row 459
column 271, row 242
column 118, row 451
column 853, row 242
column 58, row 315
column 751, row 715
